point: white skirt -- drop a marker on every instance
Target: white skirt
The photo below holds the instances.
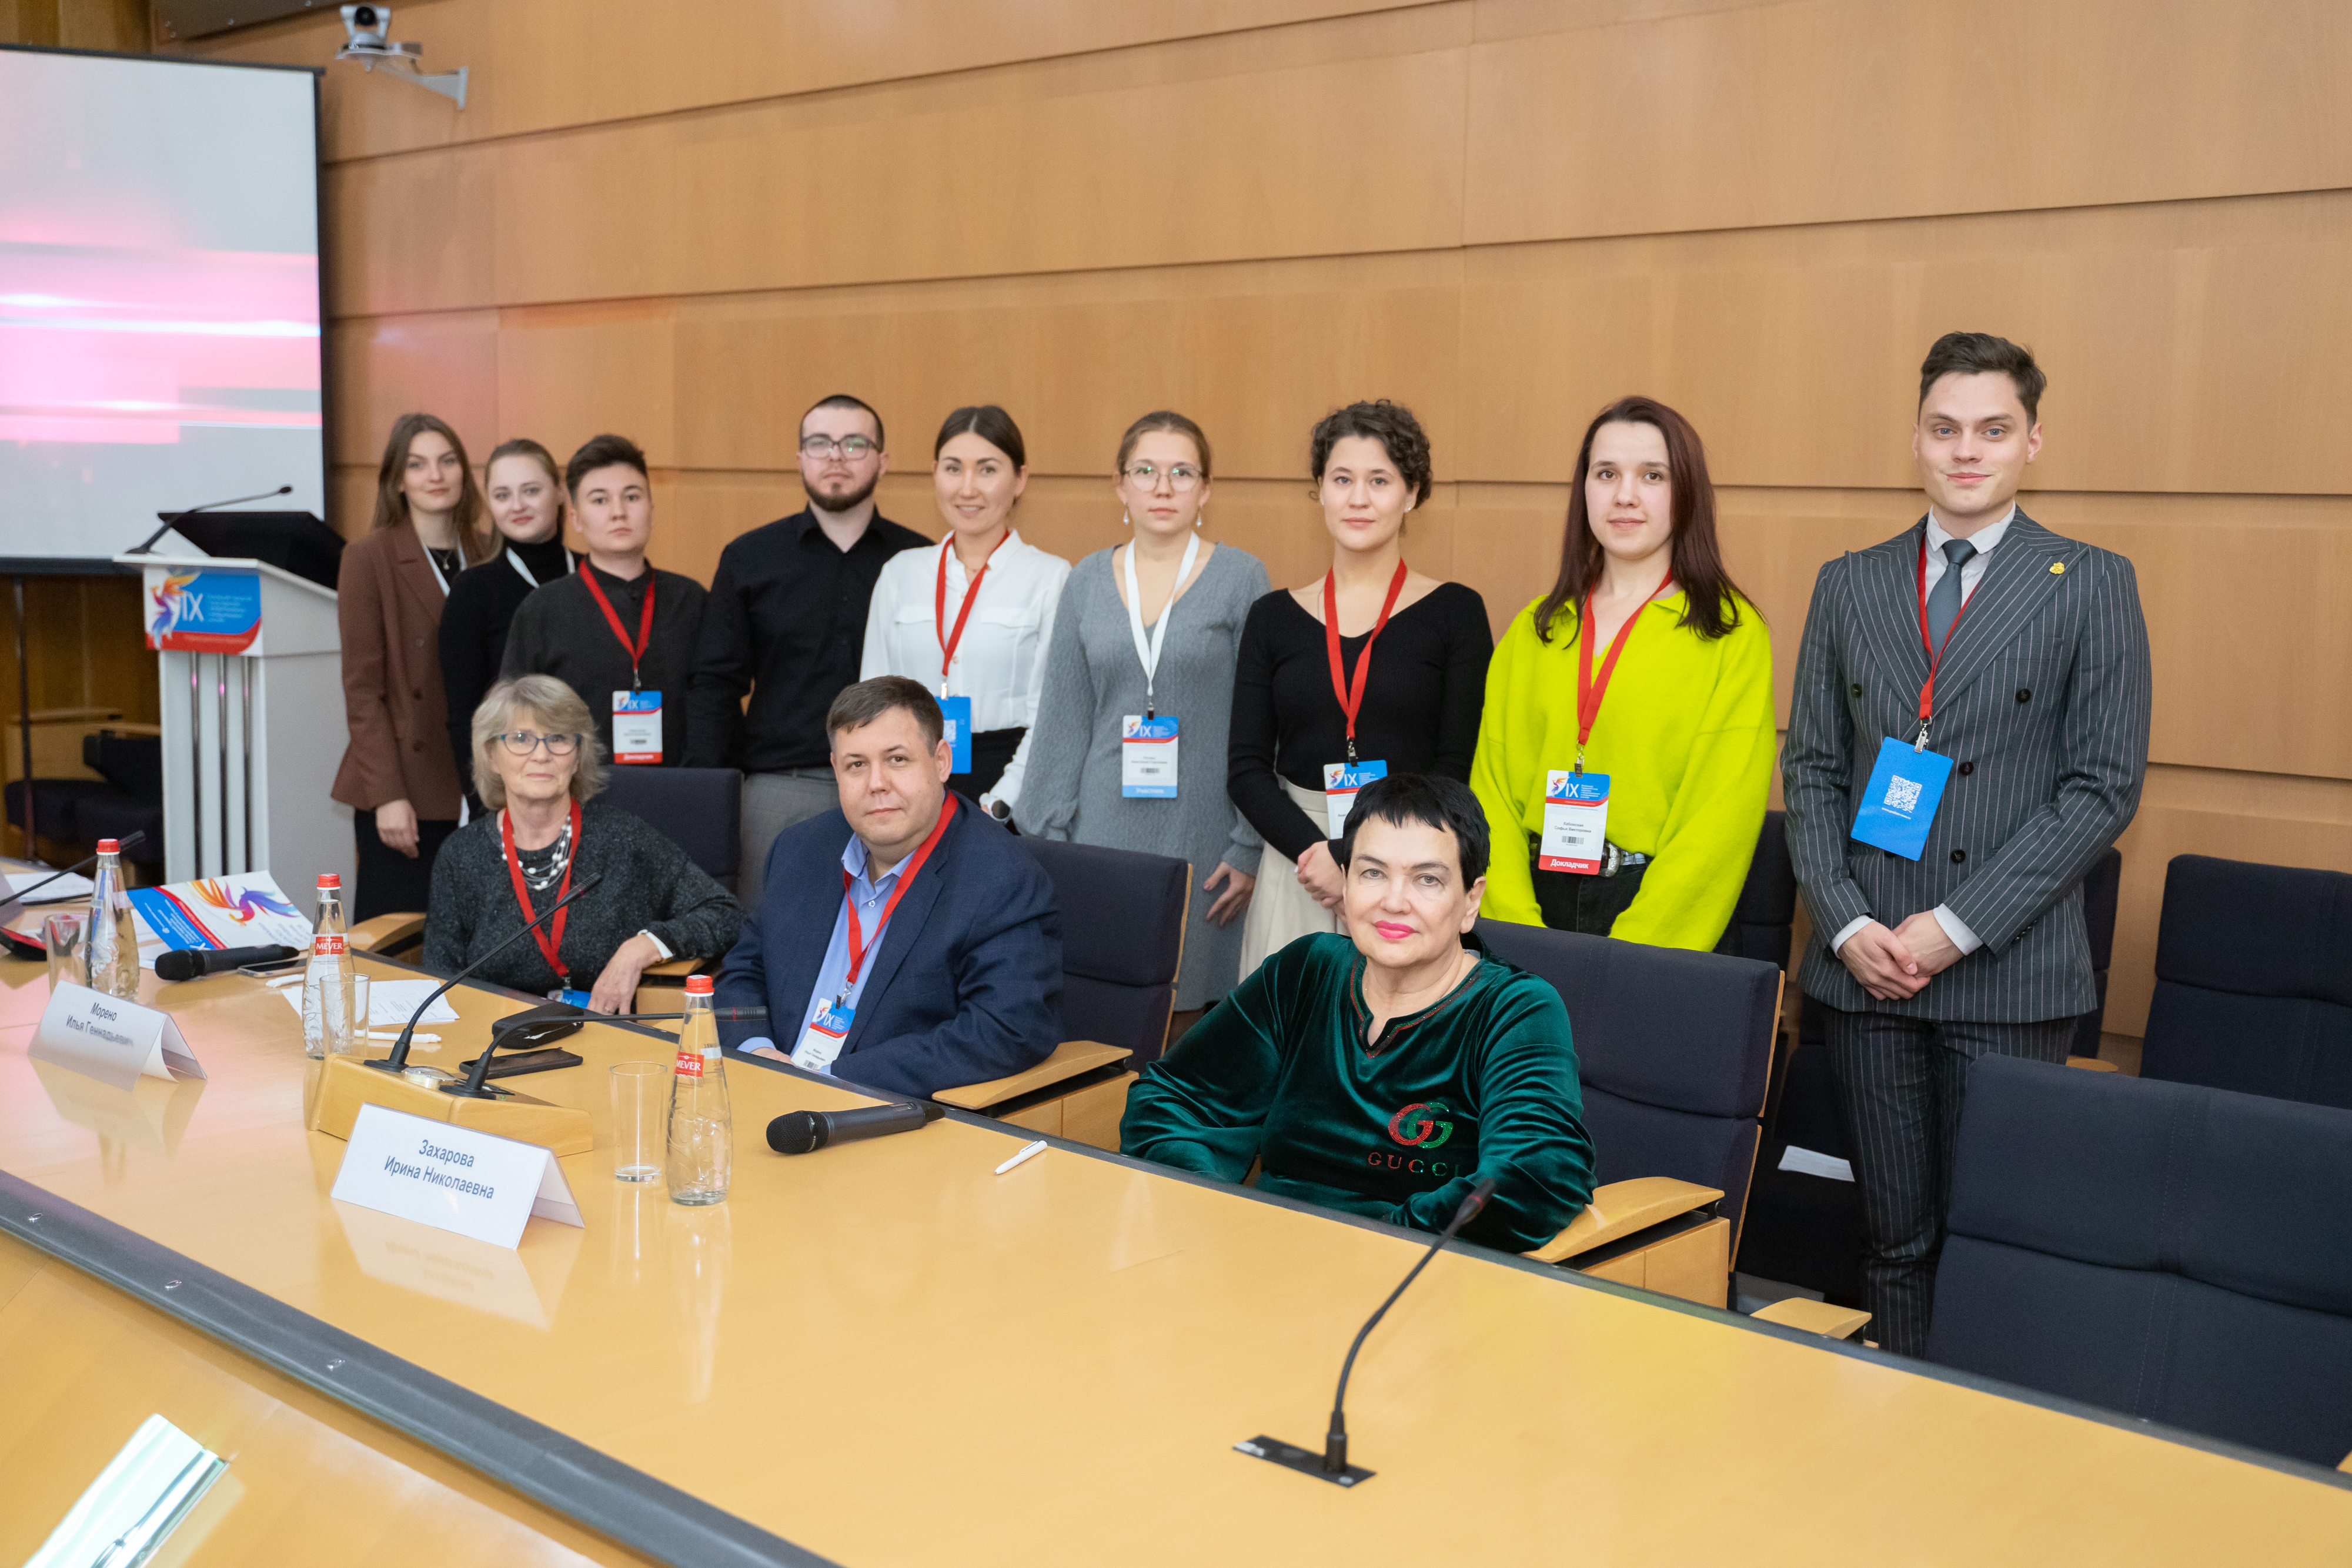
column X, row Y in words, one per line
column 1281, row 910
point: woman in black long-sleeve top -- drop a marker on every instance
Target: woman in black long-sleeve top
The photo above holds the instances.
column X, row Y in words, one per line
column 1413, row 657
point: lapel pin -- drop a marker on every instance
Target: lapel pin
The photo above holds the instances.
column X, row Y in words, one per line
column 2057, row 568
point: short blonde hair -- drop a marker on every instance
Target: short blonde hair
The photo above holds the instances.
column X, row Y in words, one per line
column 559, row 710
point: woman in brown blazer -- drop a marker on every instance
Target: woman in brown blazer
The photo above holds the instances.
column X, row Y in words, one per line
column 398, row 776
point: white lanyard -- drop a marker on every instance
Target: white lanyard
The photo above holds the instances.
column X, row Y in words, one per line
column 515, row 561
column 1149, row 650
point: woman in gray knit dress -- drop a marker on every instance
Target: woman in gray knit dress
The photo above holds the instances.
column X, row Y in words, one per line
column 1094, row 680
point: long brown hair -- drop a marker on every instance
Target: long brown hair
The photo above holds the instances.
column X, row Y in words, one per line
column 392, row 502
column 1712, row 608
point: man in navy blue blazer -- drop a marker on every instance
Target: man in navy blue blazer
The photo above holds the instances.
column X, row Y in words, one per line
column 904, row 941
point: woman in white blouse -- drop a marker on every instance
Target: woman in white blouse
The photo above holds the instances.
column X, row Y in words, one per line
column 972, row 616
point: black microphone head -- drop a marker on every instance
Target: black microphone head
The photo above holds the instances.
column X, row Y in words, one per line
column 283, row 490
column 181, row 964
column 797, row 1133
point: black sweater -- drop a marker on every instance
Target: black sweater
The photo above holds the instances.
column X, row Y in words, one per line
column 473, row 623
column 560, row 631
column 1422, row 701
column 649, row 885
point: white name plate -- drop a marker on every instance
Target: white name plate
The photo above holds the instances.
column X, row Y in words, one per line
column 111, row 1038
column 453, row 1178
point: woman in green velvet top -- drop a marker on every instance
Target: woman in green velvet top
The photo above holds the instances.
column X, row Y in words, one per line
column 1385, row 1071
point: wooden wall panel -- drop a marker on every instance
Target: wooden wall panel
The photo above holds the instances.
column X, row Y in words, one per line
column 567, row 372
column 544, row 65
column 1076, row 361
column 2191, row 347
column 387, row 367
column 1827, row 111
column 413, row 234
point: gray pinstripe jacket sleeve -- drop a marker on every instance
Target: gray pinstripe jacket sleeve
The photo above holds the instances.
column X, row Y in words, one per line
column 2043, row 706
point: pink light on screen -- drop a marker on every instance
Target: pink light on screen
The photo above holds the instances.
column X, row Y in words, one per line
column 115, row 344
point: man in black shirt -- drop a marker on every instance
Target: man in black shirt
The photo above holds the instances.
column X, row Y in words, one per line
column 786, row 622
column 617, row 631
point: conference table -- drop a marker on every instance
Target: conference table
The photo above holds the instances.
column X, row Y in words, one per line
column 886, row 1352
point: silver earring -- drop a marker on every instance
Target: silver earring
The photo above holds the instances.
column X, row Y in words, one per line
column 1125, row 521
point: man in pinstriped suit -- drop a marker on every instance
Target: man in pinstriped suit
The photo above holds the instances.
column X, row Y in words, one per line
column 2040, row 701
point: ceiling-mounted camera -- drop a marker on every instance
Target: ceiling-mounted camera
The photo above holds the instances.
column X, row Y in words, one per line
column 369, row 28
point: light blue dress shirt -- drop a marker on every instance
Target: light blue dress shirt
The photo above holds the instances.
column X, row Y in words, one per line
column 833, row 976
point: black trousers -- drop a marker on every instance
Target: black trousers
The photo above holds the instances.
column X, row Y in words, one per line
column 1575, row 901
column 1899, row 1083
column 992, row 754
column 389, row 881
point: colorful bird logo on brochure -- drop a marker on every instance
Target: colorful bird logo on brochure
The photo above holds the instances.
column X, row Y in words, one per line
column 192, row 611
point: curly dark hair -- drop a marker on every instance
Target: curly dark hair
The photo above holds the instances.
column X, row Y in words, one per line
column 1390, row 423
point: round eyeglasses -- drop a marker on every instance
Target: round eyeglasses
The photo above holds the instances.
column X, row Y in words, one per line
column 852, row 447
column 1180, row 477
column 522, row 743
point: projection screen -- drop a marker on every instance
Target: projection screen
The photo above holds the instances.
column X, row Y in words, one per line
column 160, row 342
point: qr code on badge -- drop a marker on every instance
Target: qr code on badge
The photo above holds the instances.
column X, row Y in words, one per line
column 1902, row 794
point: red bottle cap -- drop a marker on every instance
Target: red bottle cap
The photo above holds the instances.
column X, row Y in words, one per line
column 698, row 985
column 108, row 847
column 329, row 879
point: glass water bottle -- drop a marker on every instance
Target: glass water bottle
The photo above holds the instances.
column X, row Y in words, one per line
column 701, row 1126
column 113, row 940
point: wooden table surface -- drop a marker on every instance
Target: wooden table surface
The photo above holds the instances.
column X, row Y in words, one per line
column 887, row 1354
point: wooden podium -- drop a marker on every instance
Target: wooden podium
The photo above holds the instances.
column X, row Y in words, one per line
column 251, row 665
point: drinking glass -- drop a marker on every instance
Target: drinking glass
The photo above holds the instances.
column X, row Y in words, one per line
column 640, row 1117
column 68, row 957
column 355, row 1037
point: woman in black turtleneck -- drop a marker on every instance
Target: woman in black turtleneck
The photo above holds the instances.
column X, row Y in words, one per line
column 526, row 496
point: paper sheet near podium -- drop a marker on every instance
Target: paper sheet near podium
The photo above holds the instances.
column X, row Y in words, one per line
column 451, row 1177
column 109, row 1038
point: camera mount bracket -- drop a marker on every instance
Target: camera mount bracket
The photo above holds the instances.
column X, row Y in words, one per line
column 402, row 60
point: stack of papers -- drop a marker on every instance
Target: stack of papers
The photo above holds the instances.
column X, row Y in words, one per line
column 391, row 1002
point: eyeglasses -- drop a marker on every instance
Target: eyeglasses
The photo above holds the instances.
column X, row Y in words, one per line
column 852, row 447
column 1146, row 477
column 522, row 743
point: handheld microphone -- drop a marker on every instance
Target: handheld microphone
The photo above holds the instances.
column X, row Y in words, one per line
column 171, row 519
column 1333, row 1465
column 398, row 1061
column 194, row 962
column 803, row 1131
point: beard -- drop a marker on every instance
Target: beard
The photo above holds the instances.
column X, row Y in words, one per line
column 845, row 503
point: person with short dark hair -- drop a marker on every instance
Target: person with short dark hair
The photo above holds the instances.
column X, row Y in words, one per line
column 619, row 632
column 973, row 618
column 524, row 487
column 1967, row 735
column 1375, row 668
column 785, row 623
column 905, row 942
column 399, row 773
column 545, row 833
column 1626, row 751
column 1386, row 1072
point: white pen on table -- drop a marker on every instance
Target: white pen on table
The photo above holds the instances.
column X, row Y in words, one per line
column 1027, row 1151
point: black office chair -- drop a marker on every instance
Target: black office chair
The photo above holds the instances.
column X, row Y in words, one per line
column 1761, row 920
column 2253, row 980
column 1673, row 1050
column 2175, row 1253
column 700, row 810
column 1123, row 917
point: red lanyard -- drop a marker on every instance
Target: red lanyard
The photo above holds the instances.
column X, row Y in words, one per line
column 913, row 863
column 549, row 942
column 1589, row 693
column 1352, row 695
column 1935, row 653
column 645, row 622
column 951, row 641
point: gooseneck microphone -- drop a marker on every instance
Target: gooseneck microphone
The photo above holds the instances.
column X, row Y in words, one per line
column 1333, row 1466
column 171, row 520
column 124, row 843
column 398, row 1061
column 804, row 1132
column 194, row 962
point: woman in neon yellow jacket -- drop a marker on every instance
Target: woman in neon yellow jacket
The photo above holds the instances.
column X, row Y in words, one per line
column 1629, row 767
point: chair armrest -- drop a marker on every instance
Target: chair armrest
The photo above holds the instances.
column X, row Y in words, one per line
column 671, row 971
column 2346, row 1465
column 1813, row 1317
column 2093, row 1064
column 1620, row 1210
column 382, row 932
column 1070, row 1058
